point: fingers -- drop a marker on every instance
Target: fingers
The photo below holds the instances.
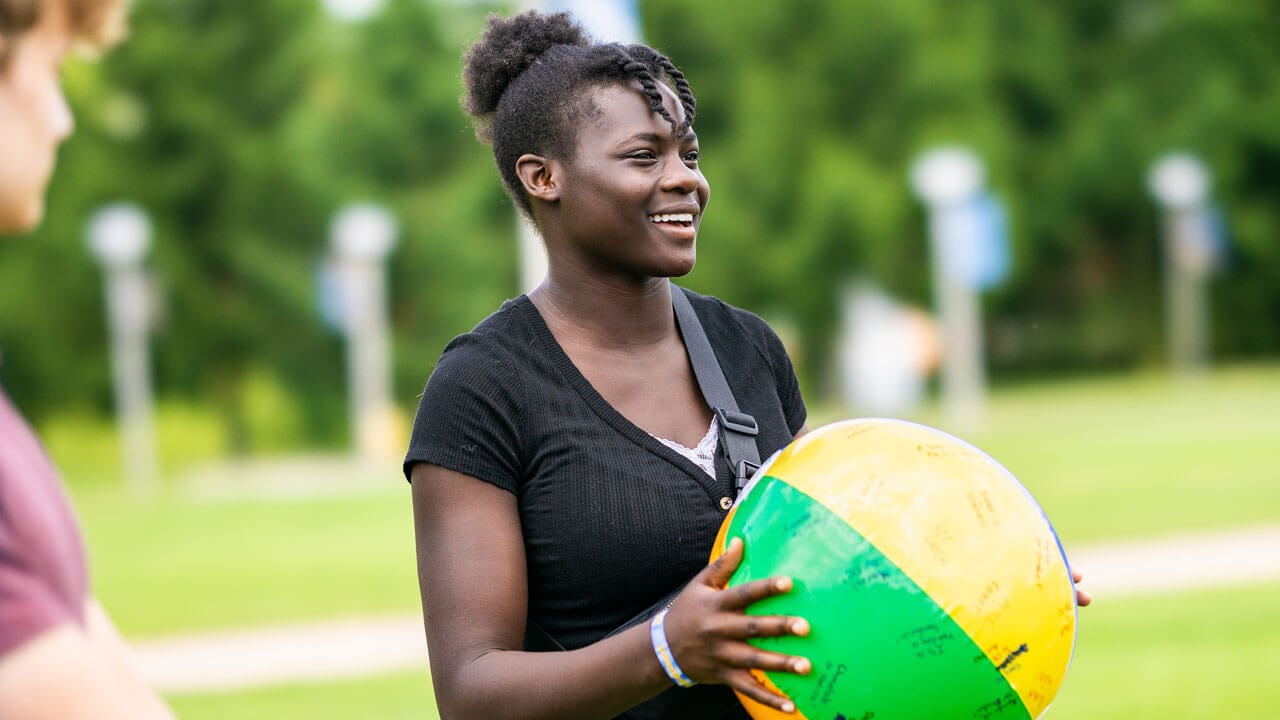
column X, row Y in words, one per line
column 761, row 626
column 719, row 572
column 709, row 631
column 750, row 657
column 723, row 567
column 1083, row 597
column 747, row 684
column 740, row 656
column 741, row 596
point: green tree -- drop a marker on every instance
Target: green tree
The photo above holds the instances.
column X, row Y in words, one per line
column 242, row 129
column 811, row 113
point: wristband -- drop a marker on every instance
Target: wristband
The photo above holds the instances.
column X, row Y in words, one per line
column 658, row 636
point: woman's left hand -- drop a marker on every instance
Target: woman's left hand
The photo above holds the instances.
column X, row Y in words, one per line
column 1083, row 598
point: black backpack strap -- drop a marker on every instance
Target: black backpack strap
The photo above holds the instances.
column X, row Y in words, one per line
column 738, row 430
column 538, row 640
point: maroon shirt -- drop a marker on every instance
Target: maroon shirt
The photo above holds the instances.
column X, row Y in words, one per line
column 43, row 580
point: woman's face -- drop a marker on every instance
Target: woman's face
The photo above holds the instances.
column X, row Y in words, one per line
column 632, row 197
column 34, row 118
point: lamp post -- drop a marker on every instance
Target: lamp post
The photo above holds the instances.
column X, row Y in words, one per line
column 605, row 20
column 948, row 180
column 353, row 11
column 362, row 235
column 118, row 236
column 1180, row 184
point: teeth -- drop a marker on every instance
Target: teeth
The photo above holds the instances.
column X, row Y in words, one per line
column 677, row 217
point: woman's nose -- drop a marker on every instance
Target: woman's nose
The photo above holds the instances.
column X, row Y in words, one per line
column 682, row 178
column 61, row 121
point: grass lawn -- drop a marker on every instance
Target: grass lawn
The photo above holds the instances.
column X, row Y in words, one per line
column 177, row 564
column 403, row 696
column 1141, row 455
column 1204, row 654
column 1107, row 458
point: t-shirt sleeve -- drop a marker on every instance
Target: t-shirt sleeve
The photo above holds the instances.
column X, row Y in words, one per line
column 761, row 338
column 28, row 605
column 784, row 376
column 468, row 418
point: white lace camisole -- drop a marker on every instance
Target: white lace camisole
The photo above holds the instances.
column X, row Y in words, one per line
column 704, row 455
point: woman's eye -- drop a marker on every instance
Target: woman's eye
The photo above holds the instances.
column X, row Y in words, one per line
column 691, row 156
column 643, row 155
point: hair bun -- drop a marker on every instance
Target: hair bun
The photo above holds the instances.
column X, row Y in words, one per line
column 507, row 48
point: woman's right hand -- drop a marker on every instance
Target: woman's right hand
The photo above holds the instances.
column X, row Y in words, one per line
column 707, row 630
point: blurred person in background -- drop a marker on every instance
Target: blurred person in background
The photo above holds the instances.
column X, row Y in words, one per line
column 60, row 654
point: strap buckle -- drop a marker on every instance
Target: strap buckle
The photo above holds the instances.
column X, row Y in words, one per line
column 744, row 472
column 738, row 422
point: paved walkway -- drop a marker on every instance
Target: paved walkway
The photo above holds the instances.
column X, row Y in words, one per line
column 357, row 647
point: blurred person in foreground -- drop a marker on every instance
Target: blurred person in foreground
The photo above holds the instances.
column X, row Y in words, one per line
column 60, row 655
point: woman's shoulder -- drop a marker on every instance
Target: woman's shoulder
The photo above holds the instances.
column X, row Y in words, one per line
column 497, row 335
column 490, row 352
column 484, row 361
column 719, row 316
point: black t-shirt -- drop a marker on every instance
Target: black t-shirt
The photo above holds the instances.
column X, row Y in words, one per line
column 612, row 519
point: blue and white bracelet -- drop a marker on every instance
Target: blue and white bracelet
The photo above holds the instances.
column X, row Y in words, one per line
column 658, row 636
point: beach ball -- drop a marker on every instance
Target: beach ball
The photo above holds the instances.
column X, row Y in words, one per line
column 934, row 585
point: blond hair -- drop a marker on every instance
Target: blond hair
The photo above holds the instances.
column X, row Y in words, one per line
column 95, row 24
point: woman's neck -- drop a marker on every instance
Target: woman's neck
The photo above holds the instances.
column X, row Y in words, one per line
column 606, row 315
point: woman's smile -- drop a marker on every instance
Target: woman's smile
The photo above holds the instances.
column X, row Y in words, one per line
column 679, row 225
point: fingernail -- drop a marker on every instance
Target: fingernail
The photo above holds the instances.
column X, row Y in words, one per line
column 788, row 707
column 783, row 584
column 800, row 628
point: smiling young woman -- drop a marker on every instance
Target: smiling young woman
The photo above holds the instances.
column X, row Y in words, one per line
column 564, row 464
column 630, row 201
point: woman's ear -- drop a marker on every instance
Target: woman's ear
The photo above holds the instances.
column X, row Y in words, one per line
column 538, row 175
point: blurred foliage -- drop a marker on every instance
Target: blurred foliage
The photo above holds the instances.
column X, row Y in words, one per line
column 243, row 127
column 811, row 112
column 87, row 445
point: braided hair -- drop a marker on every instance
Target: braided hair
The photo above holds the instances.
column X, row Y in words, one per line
column 528, row 87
